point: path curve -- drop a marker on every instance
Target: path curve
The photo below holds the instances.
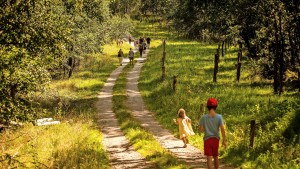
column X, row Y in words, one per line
column 121, row 154
column 191, row 155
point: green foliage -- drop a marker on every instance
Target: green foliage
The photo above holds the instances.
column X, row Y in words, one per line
column 277, row 138
column 268, row 29
column 41, row 38
column 21, row 75
column 121, row 25
column 142, row 9
column 76, row 142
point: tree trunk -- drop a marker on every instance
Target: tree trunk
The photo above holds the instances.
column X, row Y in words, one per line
column 13, row 91
column 223, row 48
column 299, row 79
column 71, row 66
column 276, row 59
column 281, row 58
column 239, row 65
column 292, row 50
column 225, row 45
column 218, row 52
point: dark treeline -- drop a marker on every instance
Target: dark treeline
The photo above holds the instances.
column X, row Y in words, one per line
column 269, row 30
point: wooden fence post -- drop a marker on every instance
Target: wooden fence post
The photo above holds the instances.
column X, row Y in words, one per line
column 238, row 73
column 163, row 61
column 174, row 83
column 239, row 65
column 299, row 79
column 252, row 133
column 163, row 69
column 216, row 67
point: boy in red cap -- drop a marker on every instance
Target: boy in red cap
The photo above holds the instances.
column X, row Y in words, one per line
column 210, row 125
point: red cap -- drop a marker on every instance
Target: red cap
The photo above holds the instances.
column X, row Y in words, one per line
column 212, row 102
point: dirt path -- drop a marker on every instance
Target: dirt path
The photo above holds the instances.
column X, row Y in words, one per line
column 191, row 155
column 121, row 154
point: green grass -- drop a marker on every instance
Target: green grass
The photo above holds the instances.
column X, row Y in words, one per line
column 252, row 98
column 77, row 142
column 141, row 139
column 61, row 146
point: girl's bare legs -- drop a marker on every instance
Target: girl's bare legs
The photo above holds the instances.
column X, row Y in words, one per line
column 184, row 142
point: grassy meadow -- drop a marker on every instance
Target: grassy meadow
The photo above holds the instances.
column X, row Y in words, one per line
column 276, row 143
column 76, row 142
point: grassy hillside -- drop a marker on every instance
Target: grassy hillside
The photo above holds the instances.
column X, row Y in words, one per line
column 76, row 143
column 276, row 143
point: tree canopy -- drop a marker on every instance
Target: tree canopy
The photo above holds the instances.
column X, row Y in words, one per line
column 39, row 38
column 269, row 30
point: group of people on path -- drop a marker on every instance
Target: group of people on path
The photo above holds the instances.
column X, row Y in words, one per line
column 211, row 124
column 142, row 45
column 130, row 56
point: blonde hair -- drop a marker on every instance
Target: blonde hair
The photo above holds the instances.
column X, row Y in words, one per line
column 181, row 113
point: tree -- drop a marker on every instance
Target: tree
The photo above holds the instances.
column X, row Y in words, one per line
column 269, row 29
column 40, row 37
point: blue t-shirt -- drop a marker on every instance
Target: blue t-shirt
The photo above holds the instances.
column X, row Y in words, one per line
column 211, row 125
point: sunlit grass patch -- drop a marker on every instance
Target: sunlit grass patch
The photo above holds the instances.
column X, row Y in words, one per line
column 67, row 145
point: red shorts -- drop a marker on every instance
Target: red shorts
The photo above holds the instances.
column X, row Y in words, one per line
column 211, row 147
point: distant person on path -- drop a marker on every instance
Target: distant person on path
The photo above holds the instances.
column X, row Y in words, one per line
column 210, row 125
column 120, row 56
column 144, row 46
column 148, row 42
column 131, row 56
column 185, row 126
column 141, row 49
column 136, row 45
column 129, row 39
column 141, row 40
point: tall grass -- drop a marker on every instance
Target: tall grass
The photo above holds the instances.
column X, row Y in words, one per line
column 76, row 143
column 192, row 62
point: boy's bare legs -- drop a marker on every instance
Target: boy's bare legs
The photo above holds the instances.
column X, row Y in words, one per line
column 209, row 162
column 216, row 162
